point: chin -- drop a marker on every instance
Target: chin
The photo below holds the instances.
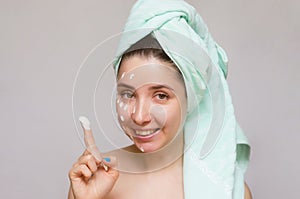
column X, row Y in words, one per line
column 149, row 147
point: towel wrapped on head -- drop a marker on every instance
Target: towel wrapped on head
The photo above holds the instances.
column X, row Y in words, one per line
column 216, row 151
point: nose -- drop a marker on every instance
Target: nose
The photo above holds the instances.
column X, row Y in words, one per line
column 141, row 112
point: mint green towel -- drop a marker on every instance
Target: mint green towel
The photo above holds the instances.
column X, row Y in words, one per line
column 216, row 150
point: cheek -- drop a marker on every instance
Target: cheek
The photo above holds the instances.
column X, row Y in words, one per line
column 175, row 116
column 159, row 114
column 122, row 110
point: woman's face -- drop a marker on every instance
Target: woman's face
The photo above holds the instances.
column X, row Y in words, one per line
column 151, row 102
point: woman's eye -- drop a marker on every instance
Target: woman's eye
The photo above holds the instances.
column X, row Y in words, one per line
column 126, row 95
column 162, row 96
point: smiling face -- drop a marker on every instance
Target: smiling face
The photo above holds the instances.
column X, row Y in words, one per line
column 151, row 102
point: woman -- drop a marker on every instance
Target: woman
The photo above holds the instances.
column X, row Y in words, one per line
column 173, row 103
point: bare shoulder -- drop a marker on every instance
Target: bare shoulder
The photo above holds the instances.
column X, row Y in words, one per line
column 247, row 194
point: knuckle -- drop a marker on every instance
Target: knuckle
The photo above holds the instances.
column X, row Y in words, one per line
column 80, row 158
column 92, row 165
column 84, row 158
column 75, row 165
column 86, row 152
column 70, row 174
column 93, row 169
column 89, row 156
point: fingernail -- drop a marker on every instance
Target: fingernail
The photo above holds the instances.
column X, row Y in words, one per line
column 85, row 122
column 104, row 166
column 107, row 159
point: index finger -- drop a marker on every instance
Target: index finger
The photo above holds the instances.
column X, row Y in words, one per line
column 89, row 138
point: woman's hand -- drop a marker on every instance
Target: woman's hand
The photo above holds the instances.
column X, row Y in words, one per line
column 89, row 180
column 92, row 177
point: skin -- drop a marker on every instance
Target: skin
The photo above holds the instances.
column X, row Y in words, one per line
column 89, row 180
column 247, row 194
column 154, row 99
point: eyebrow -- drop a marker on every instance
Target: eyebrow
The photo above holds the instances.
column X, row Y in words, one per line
column 151, row 88
column 160, row 87
column 126, row 86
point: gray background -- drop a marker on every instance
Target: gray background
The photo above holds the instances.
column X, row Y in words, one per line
column 42, row 44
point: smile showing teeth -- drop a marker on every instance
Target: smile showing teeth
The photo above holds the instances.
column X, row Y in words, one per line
column 144, row 133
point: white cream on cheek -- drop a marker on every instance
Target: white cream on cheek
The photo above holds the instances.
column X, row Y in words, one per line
column 159, row 114
column 125, row 107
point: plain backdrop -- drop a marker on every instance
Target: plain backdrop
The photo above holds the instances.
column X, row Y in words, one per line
column 43, row 43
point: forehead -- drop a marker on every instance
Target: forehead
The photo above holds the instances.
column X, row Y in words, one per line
column 137, row 61
column 137, row 72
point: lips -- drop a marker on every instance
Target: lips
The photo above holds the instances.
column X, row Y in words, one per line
column 146, row 134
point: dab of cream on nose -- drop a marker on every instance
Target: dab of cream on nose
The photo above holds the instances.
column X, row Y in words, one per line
column 85, row 123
